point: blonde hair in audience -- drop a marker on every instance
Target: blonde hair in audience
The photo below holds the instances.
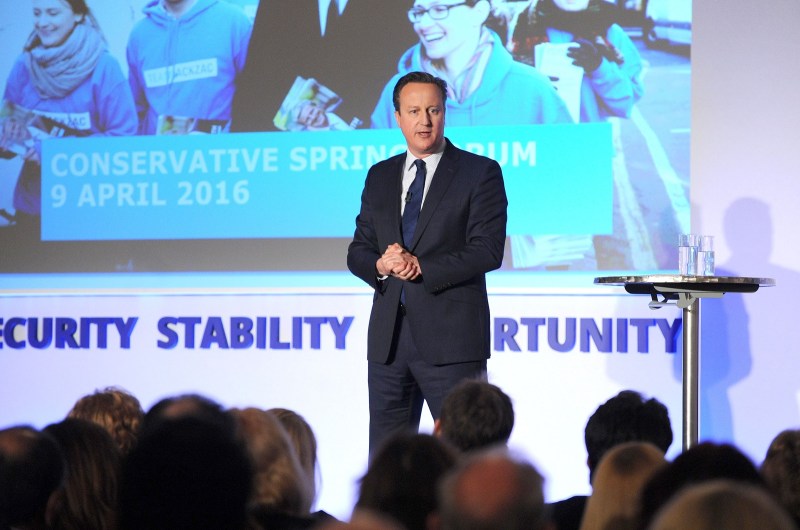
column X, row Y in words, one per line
column 279, row 483
column 722, row 504
column 618, row 481
column 302, row 437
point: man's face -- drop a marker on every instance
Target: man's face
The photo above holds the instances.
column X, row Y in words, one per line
column 421, row 118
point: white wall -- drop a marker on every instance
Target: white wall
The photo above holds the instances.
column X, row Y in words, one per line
column 745, row 169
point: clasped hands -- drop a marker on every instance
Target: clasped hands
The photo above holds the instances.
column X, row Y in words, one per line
column 398, row 262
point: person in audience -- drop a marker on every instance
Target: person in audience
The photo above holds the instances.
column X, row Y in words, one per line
column 626, row 417
column 3, row 499
column 781, row 470
column 282, row 494
column 722, row 504
column 3, row 502
column 87, row 499
column 402, row 477
column 186, row 472
column 33, row 468
column 619, row 478
column 65, row 83
column 305, row 446
column 363, row 521
column 485, row 86
column 114, row 409
column 475, row 415
column 491, row 490
column 184, row 59
column 188, row 405
column 700, row 463
column 303, row 441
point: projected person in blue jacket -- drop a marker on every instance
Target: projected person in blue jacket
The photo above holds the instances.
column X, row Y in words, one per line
column 485, row 85
column 184, row 59
column 612, row 65
column 65, row 83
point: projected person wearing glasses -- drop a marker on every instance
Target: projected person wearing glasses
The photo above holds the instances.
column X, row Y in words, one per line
column 429, row 327
column 485, row 85
column 185, row 57
column 65, row 83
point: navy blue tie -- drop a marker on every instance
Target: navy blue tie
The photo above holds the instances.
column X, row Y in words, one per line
column 413, row 202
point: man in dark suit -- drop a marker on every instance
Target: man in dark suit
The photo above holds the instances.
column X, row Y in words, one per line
column 429, row 327
column 349, row 46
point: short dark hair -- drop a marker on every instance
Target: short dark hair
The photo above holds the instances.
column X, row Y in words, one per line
column 418, row 77
column 626, row 417
column 402, row 477
column 476, row 414
column 186, row 472
column 34, row 465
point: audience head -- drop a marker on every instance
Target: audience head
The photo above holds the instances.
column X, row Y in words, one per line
column 781, row 471
column 722, row 504
column 492, row 490
column 87, row 498
column 188, row 405
column 279, row 483
column 114, row 409
column 33, row 468
column 626, row 417
column 618, row 481
column 475, row 415
column 701, row 463
column 187, row 471
column 303, row 440
column 402, row 478
column 3, row 502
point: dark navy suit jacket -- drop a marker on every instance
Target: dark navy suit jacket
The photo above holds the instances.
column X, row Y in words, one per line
column 460, row 235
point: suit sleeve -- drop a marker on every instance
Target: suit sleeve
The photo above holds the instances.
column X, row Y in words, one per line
column 485, row 237
column 362, row 254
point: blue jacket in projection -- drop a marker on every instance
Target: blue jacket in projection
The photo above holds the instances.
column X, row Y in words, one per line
column 187, row 67
column 511, row 93
column 612, row 89
column 101, row 105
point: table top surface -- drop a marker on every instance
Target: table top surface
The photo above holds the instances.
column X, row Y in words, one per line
column 689, row 283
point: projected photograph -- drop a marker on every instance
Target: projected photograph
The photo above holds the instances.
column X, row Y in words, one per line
column 240, row 141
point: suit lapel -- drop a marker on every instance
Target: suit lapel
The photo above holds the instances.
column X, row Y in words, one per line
column 445, row 172
column 397, row 192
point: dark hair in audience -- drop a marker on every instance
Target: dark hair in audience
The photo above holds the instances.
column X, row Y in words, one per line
column 781, row 470
column 34, row 465
column 700, row 463
column 3, row 502
column 626, row 417
column 114, row 409
column 491, row 490
column 476, row 414
column 188, row 405
column 418, row 77
column 185, row 473
column 402, row 478
column 87, row 499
